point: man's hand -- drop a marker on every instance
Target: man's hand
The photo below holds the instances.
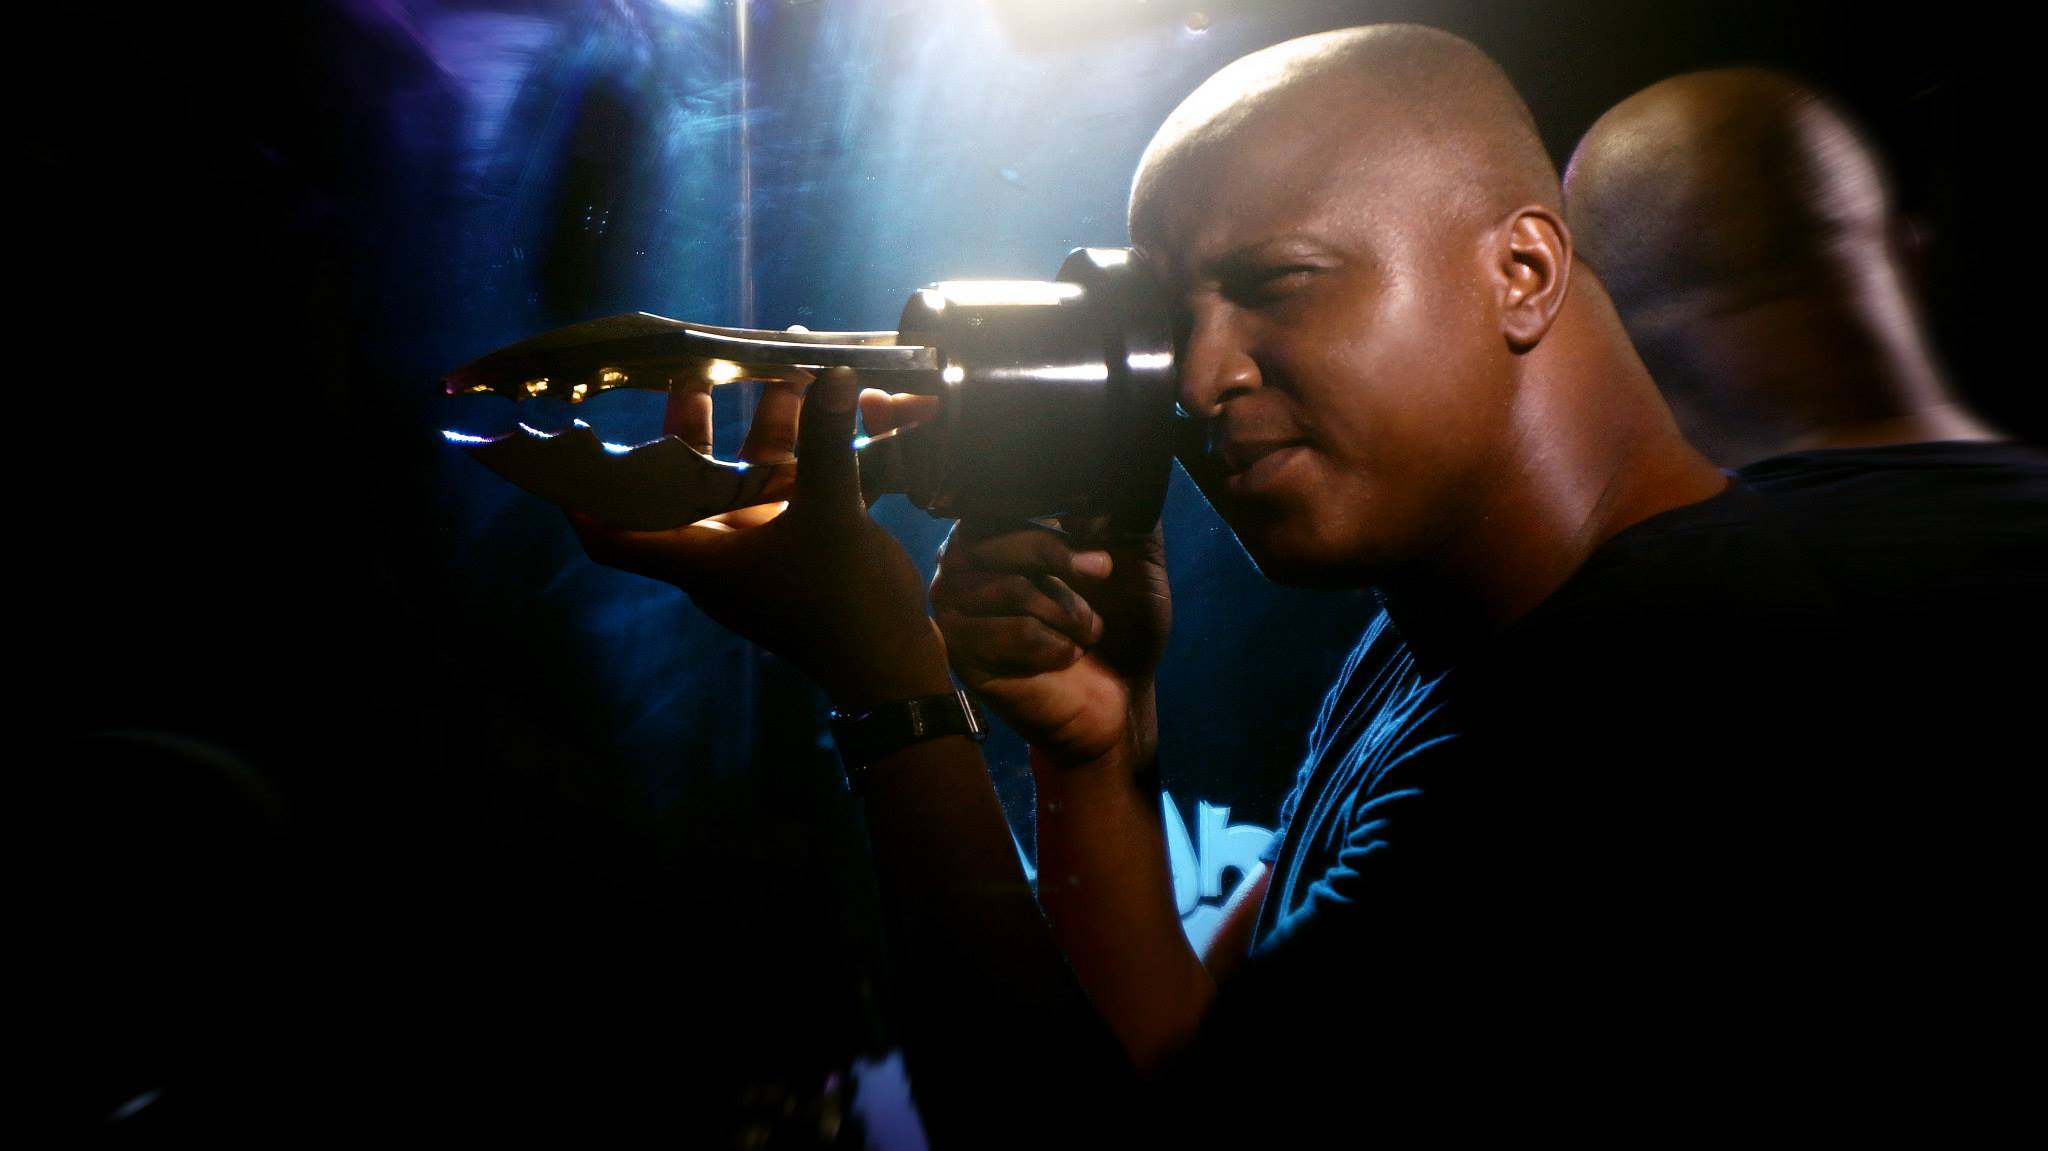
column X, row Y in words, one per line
column 1062, row 641
column 1058, row 637
column 812, row 579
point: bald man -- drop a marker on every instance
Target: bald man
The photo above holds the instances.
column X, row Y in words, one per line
column 1747, row 235
column 1564, row 850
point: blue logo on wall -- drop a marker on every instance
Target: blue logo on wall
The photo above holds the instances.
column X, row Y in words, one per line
column 1201, row 859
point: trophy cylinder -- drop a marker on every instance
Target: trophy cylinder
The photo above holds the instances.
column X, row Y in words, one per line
column 1057, row 397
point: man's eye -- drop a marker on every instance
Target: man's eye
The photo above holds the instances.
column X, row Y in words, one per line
column 1274, row 282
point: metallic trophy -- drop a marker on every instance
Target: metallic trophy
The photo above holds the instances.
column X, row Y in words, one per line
column 1056, row 399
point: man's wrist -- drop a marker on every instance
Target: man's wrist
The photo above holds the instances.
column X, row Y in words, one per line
column 1126, row 761
column 867, row 738
column 1135, row 750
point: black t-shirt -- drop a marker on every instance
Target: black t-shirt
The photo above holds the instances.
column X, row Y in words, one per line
column 1730, row 833
column 1725, row 826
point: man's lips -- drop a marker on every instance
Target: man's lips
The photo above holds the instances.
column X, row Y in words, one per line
column 1253, row 465
column 1239, row 456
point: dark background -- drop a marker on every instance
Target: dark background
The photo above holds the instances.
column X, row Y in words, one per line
column 468, row 830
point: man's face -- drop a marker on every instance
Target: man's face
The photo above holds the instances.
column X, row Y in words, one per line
column 1338, row 339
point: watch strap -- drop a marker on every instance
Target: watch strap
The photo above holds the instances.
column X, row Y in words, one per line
column 890, row 727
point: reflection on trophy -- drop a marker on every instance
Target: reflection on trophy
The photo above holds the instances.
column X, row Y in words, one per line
column 1056, row 399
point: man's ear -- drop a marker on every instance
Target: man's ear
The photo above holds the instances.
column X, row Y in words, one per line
column 1535, row 271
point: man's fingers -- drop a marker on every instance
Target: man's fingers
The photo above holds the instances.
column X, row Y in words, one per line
column 983, row 647
column 771, row 438
column 675, row 555
column 1046, row 599
column 688, row 415
column 751, row 516
column 1011, row 549
column 828, row 477
column 886, row 411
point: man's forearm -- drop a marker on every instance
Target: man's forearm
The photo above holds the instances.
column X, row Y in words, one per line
column 997, row 1028
column 1107, row 889
column 944, row 854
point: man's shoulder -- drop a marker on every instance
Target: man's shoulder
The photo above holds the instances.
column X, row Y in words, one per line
column 1831, row 539
column 1729, row 564
column 1813, row 596
column 1949, row 491
column 1951, row 530
column 1941, row 491
column 1990, row 466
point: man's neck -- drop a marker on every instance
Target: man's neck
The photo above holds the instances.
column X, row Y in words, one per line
column 1596, row 452
column 1860, row 374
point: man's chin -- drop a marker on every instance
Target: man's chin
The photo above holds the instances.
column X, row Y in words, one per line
column 1300, row 563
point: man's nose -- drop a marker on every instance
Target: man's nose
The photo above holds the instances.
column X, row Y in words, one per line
column 1215, row 366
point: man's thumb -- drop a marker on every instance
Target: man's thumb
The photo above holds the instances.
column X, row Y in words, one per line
column 827, row 475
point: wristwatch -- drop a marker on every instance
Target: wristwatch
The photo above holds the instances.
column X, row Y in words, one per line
column 891, row 727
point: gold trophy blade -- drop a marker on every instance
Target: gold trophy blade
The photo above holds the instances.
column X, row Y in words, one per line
column 641, row 350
